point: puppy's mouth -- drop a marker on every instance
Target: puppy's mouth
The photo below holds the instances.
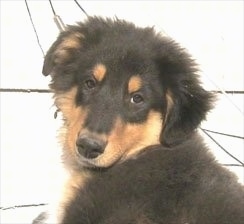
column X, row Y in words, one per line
column 90, row 155
column 96, row 159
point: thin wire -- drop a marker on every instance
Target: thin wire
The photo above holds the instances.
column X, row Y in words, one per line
column 232, row 92
column 224, row 93
column 33, row 25
column 237, row 165
column 205, row 132
column 54, row 13
column 12, row 90
column 83, row 10
column 220, row 133
column 22, row 206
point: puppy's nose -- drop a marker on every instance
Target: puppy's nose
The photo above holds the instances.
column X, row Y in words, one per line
column 89, row 146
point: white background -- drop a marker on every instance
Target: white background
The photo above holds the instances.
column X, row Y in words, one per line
column 212, row 31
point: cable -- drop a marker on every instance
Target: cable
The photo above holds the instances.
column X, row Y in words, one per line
column 224, row 93
column 236, row 165
column 57, row 19
column 22, row 206
column 205, row 132
column 9, row 90
column 83, row 10
column 220, row 133
column 232, row 92
column 33, row 25
column 52, row 7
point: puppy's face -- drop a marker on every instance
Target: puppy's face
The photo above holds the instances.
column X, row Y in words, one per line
column 121, row 89
column 111, row 114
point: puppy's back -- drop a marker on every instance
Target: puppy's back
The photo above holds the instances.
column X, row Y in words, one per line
column 180, row 185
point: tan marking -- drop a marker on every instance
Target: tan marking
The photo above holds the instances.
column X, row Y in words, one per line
column 99, row 72
column 169, row 98
column 73, row 120
column 73, row 40
column 170, row 103
column 128, row 139
column 70, row 42
column 62, row 56
column 66, row 103
column 75, row 182
column 135, row 83
column 70, row 187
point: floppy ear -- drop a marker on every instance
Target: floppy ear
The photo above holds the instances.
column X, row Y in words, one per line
column 60, row 58
column 63, row 49
column 187, row 102
column 187, row 107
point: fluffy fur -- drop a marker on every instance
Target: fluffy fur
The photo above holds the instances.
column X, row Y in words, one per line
column 132, row 101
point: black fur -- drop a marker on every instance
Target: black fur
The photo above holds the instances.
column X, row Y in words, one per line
column 177, row 186
column 176, row 182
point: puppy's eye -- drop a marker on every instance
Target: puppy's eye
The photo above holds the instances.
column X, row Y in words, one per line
column 136, row 99
column 90, row 83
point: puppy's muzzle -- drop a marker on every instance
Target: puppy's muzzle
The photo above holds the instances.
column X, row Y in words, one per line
column 89, row 146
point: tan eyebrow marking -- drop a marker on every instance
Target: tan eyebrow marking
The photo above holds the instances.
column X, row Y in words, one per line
column 99, row 72
column 135, row 83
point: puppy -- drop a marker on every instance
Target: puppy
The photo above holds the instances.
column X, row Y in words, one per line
column 131, row 101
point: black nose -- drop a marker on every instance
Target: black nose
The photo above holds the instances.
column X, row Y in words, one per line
column 89, row 146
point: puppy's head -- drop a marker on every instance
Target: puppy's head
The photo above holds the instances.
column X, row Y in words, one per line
column 120, row 89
